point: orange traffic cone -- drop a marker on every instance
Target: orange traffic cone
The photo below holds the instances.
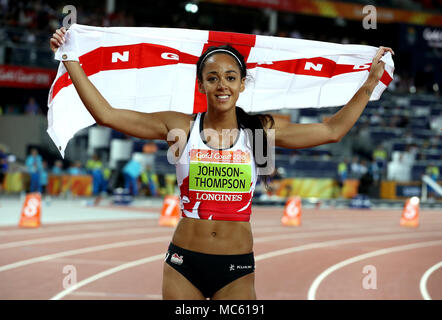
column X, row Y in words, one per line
column 30, row 214
column 170, row 214
column 410, row 214
column 292, row 212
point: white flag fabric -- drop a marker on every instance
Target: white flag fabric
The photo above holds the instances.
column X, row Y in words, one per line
column 154, row 69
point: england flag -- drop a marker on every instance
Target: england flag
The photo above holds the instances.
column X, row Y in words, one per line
column 154, row 69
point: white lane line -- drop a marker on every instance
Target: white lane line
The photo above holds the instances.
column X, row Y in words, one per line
column 260, row 257
column 345, row 231
column 319, row 245
column 81, row 251
column 118, row 245
column 106, row 225
column 100, row 262
column 116, row 295
column 106, row 273
column 424, row 279
column 134, row 231
column 143, row 241
column 35, row 241
column 314, row 286
column 72, row 227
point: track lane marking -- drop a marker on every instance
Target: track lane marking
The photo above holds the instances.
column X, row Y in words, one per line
column 111, row 224
column 55, row 228
column 81, row 251
column 25, row 262
column 116, row 295
column 344, row 231
column 106, row 273
column 315, row 285
column 29, row 261
column 134, row 231
column 319, row 245
column 36, row 241
column 424, row 279
column 135, row 263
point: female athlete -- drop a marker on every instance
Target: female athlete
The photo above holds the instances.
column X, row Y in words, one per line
column 211, row 252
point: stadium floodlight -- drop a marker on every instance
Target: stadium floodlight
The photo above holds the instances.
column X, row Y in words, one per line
column 191, row 7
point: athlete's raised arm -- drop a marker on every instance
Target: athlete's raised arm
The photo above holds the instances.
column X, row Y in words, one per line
column 138, row 124
column 293, row 135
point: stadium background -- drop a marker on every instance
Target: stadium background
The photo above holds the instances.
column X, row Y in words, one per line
column 406, row 120
column 382, row 159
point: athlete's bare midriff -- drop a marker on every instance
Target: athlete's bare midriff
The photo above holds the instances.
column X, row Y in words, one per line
column 214, row 236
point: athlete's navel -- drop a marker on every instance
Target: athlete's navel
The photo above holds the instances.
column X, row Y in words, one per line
column 214, row 234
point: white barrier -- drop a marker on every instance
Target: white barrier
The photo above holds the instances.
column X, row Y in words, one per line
column 426, row 180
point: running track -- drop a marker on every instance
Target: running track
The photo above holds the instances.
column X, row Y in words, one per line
column 324, row 258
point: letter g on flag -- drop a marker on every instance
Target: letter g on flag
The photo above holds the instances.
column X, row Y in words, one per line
column 170, row 56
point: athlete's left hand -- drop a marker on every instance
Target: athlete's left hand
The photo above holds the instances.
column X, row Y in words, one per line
column 378, row 66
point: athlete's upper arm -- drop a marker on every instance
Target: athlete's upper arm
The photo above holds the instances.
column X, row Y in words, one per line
column 155, row 125
column 295, row 135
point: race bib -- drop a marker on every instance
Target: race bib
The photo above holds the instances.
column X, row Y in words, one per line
column 219, row 171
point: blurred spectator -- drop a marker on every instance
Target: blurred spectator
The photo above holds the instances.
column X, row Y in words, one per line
column 357, row 167
column 3, row 166
column 380, row 155
column 342, row 172
column 398, row 121
column 433, row 172
column 131, row 172
column 408, row 137
column 32, row 107
column 106, row 177
column 295, row 34
column 12, row 109
column 354, row 164
column 30, row 37
column 94, row 167
column 275, row 180
column 57, row 169
column 76, row 169
column 148, row 181
column 398, row 169
column 260, row 190
column 374, row 170
column 363, row 167
column 435, row 141
column 43, row 182
column 410, row 154
column 4, row 5
column 393, row 86
column 34, row 167
column 436, row 123
column 365, row 184
column 362, row 143
column 376, row 119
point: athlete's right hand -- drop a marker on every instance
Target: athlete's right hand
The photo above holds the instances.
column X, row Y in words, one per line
column 57, row 39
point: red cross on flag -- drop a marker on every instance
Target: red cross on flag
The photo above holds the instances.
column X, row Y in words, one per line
column 154, row 69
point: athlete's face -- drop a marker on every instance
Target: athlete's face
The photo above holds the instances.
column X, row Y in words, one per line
column 221, row 81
